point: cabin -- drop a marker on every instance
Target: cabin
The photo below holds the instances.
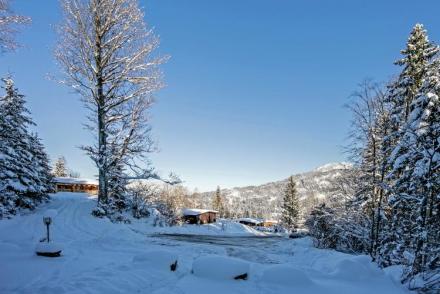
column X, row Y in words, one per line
column 268, row 223
column 199, row 216
column 66, row 184
column 251, row 222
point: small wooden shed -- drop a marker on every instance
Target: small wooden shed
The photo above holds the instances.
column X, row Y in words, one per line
column 269, row 223
column 199, row 216
column 66, row 184
column 251, row 222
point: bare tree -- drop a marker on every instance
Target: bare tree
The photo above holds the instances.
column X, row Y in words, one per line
column 369, row 132
column 9, row 23
column 106, row 52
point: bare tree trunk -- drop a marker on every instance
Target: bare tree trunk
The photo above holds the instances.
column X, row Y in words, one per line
column 425, row 209
column 102, row 142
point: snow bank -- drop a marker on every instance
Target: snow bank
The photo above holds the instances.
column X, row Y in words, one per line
column 220, row 267
column 286, row 275
column 355, row 268
column 157, row 259
column 51, row 247
column 394, row 272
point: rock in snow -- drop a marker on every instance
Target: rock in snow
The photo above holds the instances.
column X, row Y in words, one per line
column 220, row 267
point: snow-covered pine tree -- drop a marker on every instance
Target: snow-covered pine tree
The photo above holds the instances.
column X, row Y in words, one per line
column 417, row 162
column 418, row 56
column 24, row 169
column 290, row 209
column 41, row 164
column 60, row 167
column 217, row 202
column 117, row 188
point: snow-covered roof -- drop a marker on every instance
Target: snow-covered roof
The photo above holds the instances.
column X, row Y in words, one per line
column 67, row 180
column 270, row 221
column 249, row 220
column 195, row 211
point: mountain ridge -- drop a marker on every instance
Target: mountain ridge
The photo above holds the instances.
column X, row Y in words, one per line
column 324, row 183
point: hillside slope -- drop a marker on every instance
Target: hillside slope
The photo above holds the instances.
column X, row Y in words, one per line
column 330, row 181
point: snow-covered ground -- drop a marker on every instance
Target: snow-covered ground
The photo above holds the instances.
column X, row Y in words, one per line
column 101, row 257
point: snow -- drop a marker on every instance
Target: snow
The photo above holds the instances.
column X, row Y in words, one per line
column 156, row 259
column 68, row 180
column 48, row 247
column 219, row 267
column 103, row 257
column 286, row 275
column 353, row 270
column 50, row 213
column 195, row 211
column 334, row 166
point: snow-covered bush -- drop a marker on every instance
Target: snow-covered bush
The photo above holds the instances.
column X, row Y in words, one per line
column 342, row 230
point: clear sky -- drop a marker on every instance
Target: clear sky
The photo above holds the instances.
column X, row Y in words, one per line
column 255, row 88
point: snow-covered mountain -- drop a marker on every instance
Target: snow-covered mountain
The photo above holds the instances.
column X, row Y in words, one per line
column 330, row 181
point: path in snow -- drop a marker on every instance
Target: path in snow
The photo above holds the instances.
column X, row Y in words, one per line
column 250, row 248
column 98, row 258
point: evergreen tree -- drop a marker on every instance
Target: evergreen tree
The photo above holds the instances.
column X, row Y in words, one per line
column 290, row 213
column 401, row 232
column 417, row 55
column 417, row 163
column 24, row 170
column 60, row 167
column 118, row 188
column 217, row 203
column 41, row 164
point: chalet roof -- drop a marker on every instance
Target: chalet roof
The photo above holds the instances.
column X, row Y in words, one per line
column 249, row 220
column 196, row 211
column 68, row 180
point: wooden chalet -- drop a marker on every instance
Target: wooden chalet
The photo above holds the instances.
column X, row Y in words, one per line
column 199, row 216
column 66, row 184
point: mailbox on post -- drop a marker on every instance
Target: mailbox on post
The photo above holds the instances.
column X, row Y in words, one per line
column 46, row 247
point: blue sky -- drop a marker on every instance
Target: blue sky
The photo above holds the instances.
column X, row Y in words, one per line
column 255, row 89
